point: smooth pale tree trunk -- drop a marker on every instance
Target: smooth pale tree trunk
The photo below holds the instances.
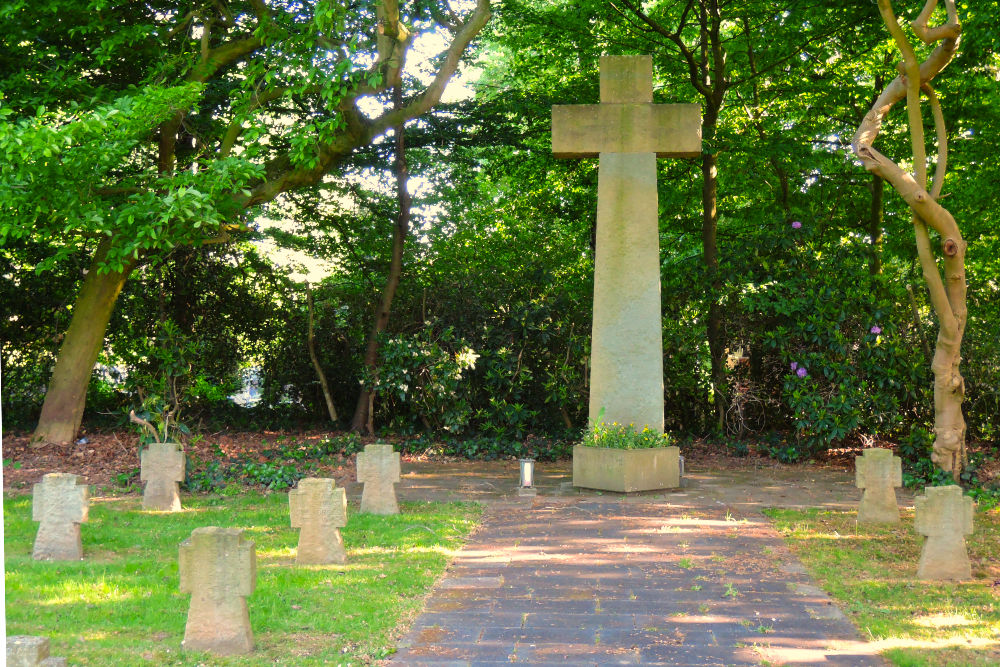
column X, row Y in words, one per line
column 947, row 292
column 66, row 397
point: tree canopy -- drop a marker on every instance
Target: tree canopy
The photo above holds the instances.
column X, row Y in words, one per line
column 156, row 143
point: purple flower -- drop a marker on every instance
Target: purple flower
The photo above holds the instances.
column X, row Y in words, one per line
column 795, row 365
column 876, row 329
column 801, row 372
column 796, row 225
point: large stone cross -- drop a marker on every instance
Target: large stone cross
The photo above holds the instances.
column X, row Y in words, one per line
column 319, row 511
column 944, row 515
column 218, row 567
column 878, row 473
column 161, row 467
column 378, row 468
column 60, row 504
column 627, row 132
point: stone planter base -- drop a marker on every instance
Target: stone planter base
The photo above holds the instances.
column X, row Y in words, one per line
column 626, row 470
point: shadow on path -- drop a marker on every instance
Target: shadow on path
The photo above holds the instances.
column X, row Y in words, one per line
column 695, row 577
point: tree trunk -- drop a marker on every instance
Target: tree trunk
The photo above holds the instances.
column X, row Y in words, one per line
column 362, row 421
column 947, row 294
column 311, row 343
column 709, row 228
column 66, row 397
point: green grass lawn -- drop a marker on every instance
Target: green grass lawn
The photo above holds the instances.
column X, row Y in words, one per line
column 121, row 604
column 871, row 573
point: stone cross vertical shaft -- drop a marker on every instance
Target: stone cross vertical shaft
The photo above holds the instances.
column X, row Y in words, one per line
column 60, row 504
column 944, row 514
column 319, row 511
column 878, row 473
column 161, row 467
column 218, row 567
column 378, row 469
column 28, row 651
column 627, row 132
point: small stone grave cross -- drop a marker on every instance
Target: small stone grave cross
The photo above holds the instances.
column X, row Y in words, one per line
column 28, row 651
column 162, row 467
column 627, row 132
column 878, row 473
column 60, row 504
column 944, row 515
column 378, row 469
column 218, row 567
column 319, row 511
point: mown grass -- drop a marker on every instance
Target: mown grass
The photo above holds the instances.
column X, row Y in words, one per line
column 121, row 604
column 871, row 573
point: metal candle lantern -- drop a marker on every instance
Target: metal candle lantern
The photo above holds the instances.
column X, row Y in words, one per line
column 527, row 473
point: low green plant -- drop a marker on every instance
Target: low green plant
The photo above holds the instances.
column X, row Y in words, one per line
column 780, row 447
column 624, row 436
column 121, row 605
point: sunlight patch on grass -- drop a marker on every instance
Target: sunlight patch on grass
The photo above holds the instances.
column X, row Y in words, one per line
column 121, row 604
column 943, row 620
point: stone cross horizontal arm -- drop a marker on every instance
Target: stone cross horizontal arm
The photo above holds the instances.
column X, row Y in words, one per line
column 217, row 562
column 587, row 130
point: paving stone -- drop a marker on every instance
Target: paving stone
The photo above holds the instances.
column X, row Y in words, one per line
column 644, row 613
column 471, row 582
column 470, row 619
column 830, row 611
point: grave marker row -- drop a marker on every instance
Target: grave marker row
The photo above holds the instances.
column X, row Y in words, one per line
column 943, row 514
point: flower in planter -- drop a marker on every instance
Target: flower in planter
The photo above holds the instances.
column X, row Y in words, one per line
column 621, row 436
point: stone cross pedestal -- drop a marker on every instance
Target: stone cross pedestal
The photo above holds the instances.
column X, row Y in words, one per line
column 162, row 468
column 878, row 473
column 28, row 651
column 944, row 515
column 627, row 132
column 60, row 504
column 218, row 567
column 319, row 511
column 378, row 469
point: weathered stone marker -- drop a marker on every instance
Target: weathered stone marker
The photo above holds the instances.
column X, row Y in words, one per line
column 162, row 467
column 878, row 473
column 28, row 651
column 319, row 511
column 627, row 132
column 60, row 504
column 218, row 567
column 378, row 468
column 944, row 515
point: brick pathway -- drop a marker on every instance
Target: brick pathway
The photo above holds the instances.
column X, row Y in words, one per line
column 621, row 580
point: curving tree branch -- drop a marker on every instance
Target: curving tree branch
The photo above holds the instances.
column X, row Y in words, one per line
column 947, row 292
